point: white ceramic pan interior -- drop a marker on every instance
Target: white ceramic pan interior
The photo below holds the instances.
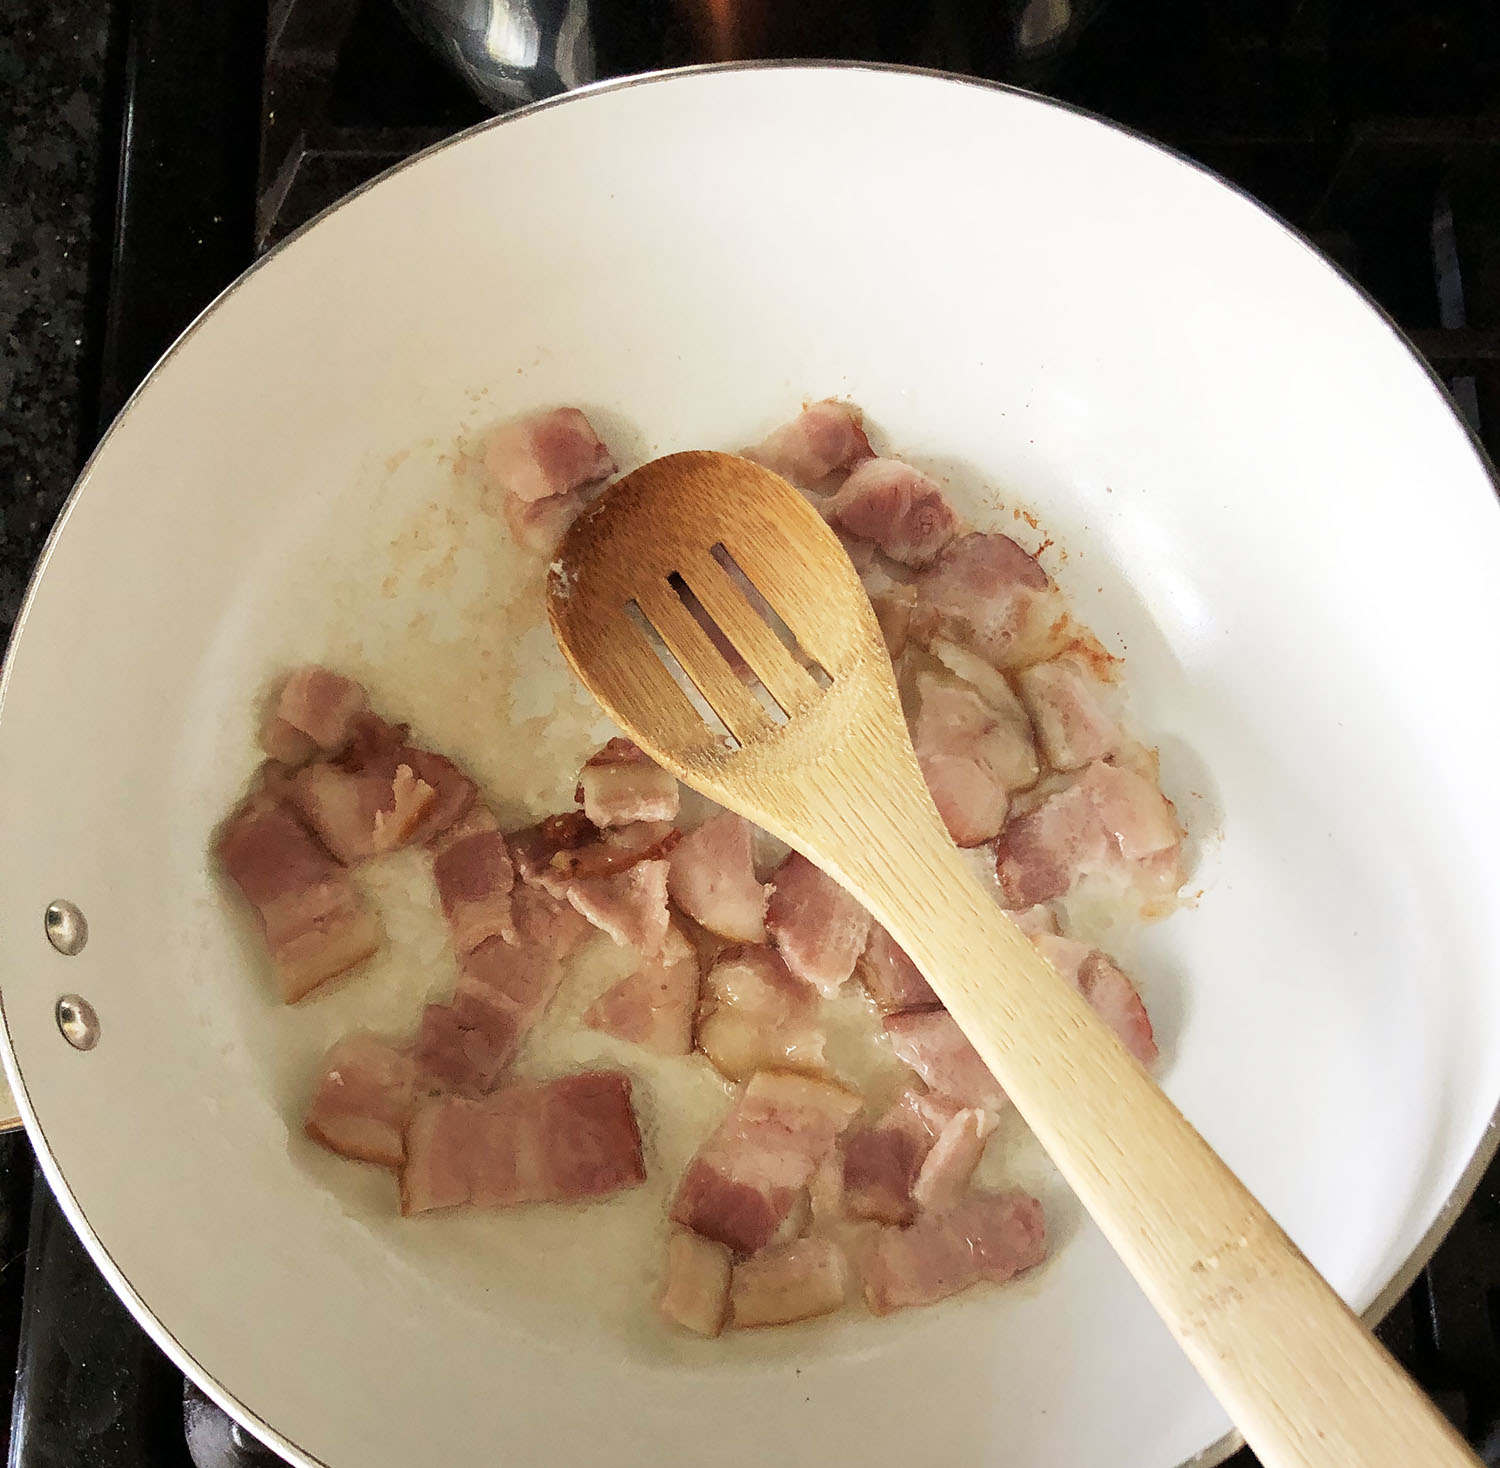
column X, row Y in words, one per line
column 1263, row 501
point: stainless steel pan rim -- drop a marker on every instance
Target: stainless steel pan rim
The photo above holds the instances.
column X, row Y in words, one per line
column 1212, row 1455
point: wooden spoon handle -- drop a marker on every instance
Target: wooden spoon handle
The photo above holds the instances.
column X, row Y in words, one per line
column 1304, row 1380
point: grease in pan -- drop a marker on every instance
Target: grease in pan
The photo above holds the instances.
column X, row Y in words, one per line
column 818, row 1187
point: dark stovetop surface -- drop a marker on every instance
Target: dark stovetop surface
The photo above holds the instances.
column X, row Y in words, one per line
column 1374, row 127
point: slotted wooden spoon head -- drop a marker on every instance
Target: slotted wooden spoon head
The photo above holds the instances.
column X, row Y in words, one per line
column 660, row 548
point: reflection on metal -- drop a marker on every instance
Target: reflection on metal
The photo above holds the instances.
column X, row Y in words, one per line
column 77, row 1021
column 67, row 928
column 509, row 51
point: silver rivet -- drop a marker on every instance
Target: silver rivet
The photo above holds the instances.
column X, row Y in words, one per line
column 78, row 1022
column 67, row 928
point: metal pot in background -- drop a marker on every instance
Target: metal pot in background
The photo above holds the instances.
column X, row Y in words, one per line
column 511, row 52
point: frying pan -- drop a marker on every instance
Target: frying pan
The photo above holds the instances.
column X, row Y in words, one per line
column 1255, row 492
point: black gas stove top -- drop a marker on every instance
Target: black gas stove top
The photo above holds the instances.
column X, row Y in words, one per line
column 1373, row 126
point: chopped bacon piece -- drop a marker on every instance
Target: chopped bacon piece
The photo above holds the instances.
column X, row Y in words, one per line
column 882, row 1162
column 465, row 1045
column 1066, row 955
column 893, row 607
column 363, row 1100
column 899, row 508
column 631, row 906
column 439, row 1147
column 1108, row 818
column 1066, row 704
column 822, row 440
column 314, row 921
column 546, row 854
column 357, row 816
column 793, row 1281
column 283, row 743
column 987, row 594
column 544, row 924
column 949, row 1166
column 1138, row 817
column 479, row 819
column 759, row 1017
column 411, row 801
column 748, row 1176
column 621, row 784
column 972, row 753
column 988, row 1238
column 930, row 1041
column 1006, row 744
column 1117, row 1002
column 377, row 755
column 546, row 454
column 539, row 525
column 562, row 848
column 322, row 706
column 712, row 879
column 1014, row 759
column 560, row 1140
column 654, row 1006
column 972, row 803
column 1034, row 920
column 1041, row 852
column 474, row 878
column 818, row 928
column 1109, row 992
column 890, row 978
column 696, row 1293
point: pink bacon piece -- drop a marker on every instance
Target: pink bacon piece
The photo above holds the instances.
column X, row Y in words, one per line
column 546, row 454
column 358, row 816
column 896, row 507
column 1109, row 992
column 882, row 1162
column 465, row 1045
column 621, row 784
column 313, row 920
column 631, row 906
column 363, row 1100
column 382, row 793
column 1067, row 708
column 474, row 877
column 825, row 439
column 538, row 525
column 1107, row 819
column 931, row 1042
column 988, row 1238
column 748, row 1176
column 712, row 879
column 695, row 1292
column 793, row 1281
column 758, row 1016
column 949, row 1166
column 986, row 593
column 558, row 1141
column 654, row 1006
column 563, row 848
column 890, row 978
column 974, row 744
column 314, row 711
column 818, row 928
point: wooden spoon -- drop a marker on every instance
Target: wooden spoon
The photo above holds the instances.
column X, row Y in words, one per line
column 834, row 775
